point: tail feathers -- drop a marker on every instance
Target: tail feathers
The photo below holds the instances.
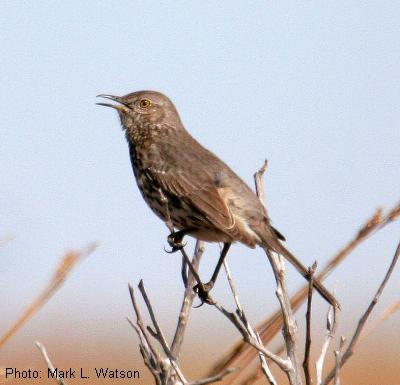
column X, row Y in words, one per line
column 278, row 234
column 280, row 249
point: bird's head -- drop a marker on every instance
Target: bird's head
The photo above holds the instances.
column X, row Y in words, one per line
column 143, row 111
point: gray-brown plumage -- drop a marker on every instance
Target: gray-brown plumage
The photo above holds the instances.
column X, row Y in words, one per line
column 206, row 198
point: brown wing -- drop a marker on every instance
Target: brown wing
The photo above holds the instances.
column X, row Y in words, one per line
column 202, row 194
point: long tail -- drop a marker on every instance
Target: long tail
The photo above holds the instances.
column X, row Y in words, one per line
column 280, row 249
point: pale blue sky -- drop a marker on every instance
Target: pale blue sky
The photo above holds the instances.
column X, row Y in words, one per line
column 312, row 86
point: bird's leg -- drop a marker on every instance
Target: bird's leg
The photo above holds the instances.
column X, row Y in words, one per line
column 202, row 289
column 175, row 240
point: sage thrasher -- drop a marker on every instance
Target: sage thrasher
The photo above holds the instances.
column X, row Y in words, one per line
column 205, row 198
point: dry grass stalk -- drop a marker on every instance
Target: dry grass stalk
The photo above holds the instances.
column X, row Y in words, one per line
column 66, row 264
column 50, row 365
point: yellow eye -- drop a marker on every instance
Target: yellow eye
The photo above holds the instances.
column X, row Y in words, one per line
column 145, row 103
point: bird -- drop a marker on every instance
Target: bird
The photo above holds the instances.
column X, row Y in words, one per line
column 205, row 198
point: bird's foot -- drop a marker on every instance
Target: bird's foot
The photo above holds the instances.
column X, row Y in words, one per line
column 203, row 290
column 175, row 241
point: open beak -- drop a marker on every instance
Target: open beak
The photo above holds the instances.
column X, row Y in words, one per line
column 120, row 107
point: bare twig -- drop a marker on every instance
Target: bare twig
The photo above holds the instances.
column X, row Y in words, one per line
column 216, row 378
column 150, row 354
column 258, row 179
column 264, row 364
column 361, row 323
column 282, row 363
column 289, row 323
column 330, row 332
column 187, row 302
column 391, row 310
column 151, row 358
column 192, row 269
column 69, row 260
column 306, row 362
column 289, row 329
column 159, row 334
column 338, row 357
column 50, row 365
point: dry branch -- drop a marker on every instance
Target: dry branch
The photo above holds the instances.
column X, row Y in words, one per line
column 289, row 328
column 338, row 356
column 164, row 366
column 187, row 302
column 331, row 321
column 250, row 330
column 239, row 323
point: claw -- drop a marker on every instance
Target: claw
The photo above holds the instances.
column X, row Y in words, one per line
column 202, row 291
column 175, row 241
column 200, row 305
column 170, row 251
column 175, row 248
